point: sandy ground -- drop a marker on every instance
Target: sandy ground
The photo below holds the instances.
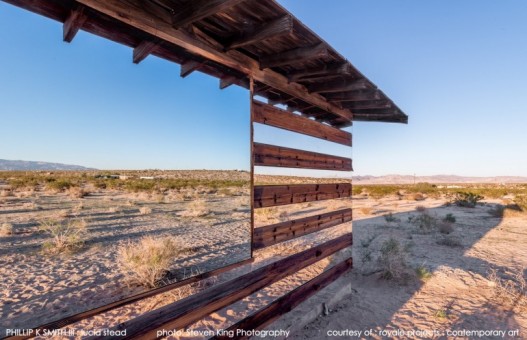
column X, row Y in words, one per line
column 458, row 296
column 35, row 288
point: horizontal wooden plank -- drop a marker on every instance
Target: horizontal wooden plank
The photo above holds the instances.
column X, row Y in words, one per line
column 286, row 303
column 114, row 305
column 183, row 313
column 284, row 231
column 272, row 116
column 272, row 155
column 274, row 195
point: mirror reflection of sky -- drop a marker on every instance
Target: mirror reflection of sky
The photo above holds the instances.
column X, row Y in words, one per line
column 456, row 68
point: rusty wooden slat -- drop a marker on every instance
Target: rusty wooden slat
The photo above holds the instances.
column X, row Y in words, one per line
column 278, row 156
column 286, row 303
column 273, row 195
column 270, row 115
column 183, row 313
column 284, row 231
column 114, row 305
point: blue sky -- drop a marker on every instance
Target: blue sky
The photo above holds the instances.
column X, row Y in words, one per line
column 457, row 68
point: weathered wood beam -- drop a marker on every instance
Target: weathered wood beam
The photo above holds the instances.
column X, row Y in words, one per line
column 283, row 305
column 340, row 86
column 184, row 312
column 195, row 10
column 278, row 27
column 143, row 50
column 279, row 156
column 189, row 67
column 73, row 24
column 284, row 231
column 227, row 81
column 275, row 195
column 294, row 56
column 150, row 24
column 344, row 69
column 273, row 116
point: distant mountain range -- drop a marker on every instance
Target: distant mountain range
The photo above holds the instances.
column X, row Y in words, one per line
column 451, row 179
column 6, row 165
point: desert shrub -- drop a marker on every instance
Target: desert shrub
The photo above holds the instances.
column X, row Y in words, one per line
column 6, row 193
column 390, row 218
column 441, row 314
column 416, row 196
column 420, row 208
column 449, row 241
column 77, row 192
column 425, row 222
column 6, row 229
column 445, row 227
column 392, row 261
column 423, row 273
column 147, row 261
column 467, row 199
column 365, row 210
column 66, row 236
column 145, row 210
column 59, row 185
column 511, row 291
column 379, row 191
column 450, row 218
column 196, row 208
column 521, row 202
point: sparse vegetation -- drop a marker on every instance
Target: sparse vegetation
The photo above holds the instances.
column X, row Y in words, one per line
column 445, row 227
column 450, row 218
column 423, row 273
column 393, row 261
column 145, row 210
column 449, row 241
column 425, row 222
column 66, row 236
column 467, row 199
column 441, row 314
column 390, row 218
column 420, row 208
column 366, row 210
column 510, row 291
column 147, row 261
column 6, row 229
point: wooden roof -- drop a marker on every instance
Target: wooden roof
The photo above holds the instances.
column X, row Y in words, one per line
column 234, row 40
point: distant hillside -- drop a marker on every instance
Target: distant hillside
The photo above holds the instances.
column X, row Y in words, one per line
column 6, row 165
column 409, row 179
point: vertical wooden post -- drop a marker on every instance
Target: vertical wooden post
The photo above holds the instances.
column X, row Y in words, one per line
column 251, row 90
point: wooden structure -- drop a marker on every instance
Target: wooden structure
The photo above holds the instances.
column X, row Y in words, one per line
column 262, row 47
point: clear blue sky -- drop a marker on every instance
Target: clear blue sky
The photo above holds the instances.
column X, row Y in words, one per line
column 457, row 68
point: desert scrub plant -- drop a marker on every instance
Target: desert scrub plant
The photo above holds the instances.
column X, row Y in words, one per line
column 146, row 262
column 77, row 192
column 510, row 291
column 6, row 229
column 425, row 223
column 449, row 241
column 392, row 261
column 441, row 314
column 467, row 199
column 423, row 273
column 145, row 210
column 66, row 236
column 449, row 218
column 420, row 208
column 366, row 210
column 59, row 185
column 196, row 208
column 390, row 218
column 497, row 211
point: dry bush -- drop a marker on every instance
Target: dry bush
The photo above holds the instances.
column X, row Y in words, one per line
column 6, row 193
column 159, row 198
column 283, row 216
column 197, row 208
column 113, row 210
column 390, row 218
column 497, row 211
column 146, row 262
column 145, row 210
column 78, row 208
column 445, row 227
column 6, row 229
column 63, row 213
column 449, row 241
column 393, row 261
column 416, row 196
column 76, row 192
column 425, row 222
column 510, row 292
column 423, row 273
column 66, row 236
column 467, row 199
column 265, row 214
column 420, row 208
column 366, row 210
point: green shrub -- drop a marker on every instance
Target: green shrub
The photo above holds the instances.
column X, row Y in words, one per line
column 467, row 199
column 450, row 218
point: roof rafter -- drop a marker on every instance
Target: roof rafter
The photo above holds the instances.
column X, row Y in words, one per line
column 323, row 71
column 195, row 10
column 340, row 85
column 143, row 50
column 277, row 27
column 73, row 23
column 293, row 56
